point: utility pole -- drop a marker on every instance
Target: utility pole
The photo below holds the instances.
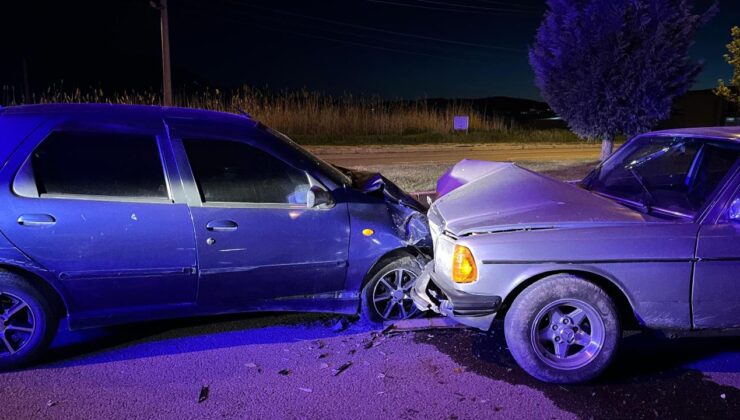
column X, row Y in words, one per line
column 166, row 73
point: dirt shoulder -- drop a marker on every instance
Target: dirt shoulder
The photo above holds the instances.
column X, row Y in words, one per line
column 452, row 153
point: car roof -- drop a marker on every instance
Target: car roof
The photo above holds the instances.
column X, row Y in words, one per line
column 731, row 133
column 131, row 111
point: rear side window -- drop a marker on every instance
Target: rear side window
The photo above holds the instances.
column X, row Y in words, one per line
column 235, row 172
column 99, row 164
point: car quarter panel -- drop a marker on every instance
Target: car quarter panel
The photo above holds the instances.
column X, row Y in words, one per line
column 650, row 262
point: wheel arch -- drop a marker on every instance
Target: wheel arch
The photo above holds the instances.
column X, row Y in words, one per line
column 386, row 258
column 55, row 297
column 625, row 307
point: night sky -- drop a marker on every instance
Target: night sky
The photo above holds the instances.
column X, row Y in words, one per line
column 395, row 48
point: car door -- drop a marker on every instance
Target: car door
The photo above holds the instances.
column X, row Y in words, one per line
column 716, row 290
column 92, row 201
column 257, row 240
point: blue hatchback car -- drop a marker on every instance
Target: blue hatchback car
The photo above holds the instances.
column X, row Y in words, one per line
column 113, row 214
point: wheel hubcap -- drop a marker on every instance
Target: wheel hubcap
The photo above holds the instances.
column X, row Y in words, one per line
column 391, row 298
column 17, row 324
column 568, row 334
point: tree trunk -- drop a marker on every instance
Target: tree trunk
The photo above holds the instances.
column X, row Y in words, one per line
column 607, row 147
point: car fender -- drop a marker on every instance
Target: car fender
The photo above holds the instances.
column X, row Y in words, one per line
column 12, row 259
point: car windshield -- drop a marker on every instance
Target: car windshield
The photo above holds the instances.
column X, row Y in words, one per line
column 673, row 175
column 330, row 170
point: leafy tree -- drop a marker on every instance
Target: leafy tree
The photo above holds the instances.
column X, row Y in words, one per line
column 731, row 92
column 611, row 67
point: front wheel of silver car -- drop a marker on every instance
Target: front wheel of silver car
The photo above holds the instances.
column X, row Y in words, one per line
column 563, row 329
column 386, row 296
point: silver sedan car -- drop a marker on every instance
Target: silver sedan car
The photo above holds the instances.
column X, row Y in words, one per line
column 649, row 239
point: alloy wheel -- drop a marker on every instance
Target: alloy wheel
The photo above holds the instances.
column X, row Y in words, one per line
column 568, row 334
column 391, row 298
column 17, row 324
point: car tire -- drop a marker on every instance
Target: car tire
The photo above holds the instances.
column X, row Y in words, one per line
column 563, row 329
column 27, row 322
column 383, row 299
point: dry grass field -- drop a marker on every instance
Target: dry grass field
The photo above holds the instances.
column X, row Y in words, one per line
column 315, row 118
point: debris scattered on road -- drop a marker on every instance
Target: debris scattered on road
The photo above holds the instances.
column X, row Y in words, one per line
column 52, row 403
column 341, row 368
column 723, row 396
column 341, row 325
column 323, row 355
column 306, row 389
column 204, row 392
column 250, row 365
column 284, row 372
column 324, row 366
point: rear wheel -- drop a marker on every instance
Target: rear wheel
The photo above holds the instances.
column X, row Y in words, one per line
column 563, row 329
column 386, row 296
column 27, row 322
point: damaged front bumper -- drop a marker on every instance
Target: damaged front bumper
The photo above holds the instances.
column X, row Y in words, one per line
column 476, row 311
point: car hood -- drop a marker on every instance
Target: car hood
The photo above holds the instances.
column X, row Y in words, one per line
column 482, row 197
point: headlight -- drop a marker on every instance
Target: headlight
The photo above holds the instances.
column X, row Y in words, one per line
column 464, row 269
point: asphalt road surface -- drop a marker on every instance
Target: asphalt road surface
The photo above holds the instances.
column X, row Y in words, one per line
column 301, row 366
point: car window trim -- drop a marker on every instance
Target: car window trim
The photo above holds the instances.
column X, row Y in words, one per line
column 106, row 198
column 179, row 142
column 26, row 166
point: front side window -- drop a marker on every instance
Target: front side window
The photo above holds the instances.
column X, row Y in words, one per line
column 674, row 174
column 235, row 172
column 99, row 164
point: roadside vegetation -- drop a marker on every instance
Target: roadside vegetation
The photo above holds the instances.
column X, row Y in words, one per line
column 315, row 118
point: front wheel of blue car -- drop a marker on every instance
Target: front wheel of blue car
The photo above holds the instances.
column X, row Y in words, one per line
column 563, row 329
column 386, row 296
column 27, row 322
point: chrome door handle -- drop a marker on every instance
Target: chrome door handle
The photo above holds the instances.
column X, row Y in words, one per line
column 36, row 220
column 222, row 226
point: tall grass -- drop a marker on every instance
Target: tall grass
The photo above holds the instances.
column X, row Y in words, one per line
column 314, row 117
column 300, row 112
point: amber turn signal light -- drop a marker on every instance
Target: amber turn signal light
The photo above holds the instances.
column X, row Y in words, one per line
column 463, row 265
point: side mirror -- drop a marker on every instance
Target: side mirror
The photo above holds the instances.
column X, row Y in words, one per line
column 318, row 198
column 734, row 214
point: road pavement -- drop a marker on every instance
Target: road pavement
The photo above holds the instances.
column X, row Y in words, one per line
column 302, row 366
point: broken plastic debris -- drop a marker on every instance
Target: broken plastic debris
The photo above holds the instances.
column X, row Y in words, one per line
column 204, row 391
column 306, row 389
column 342, row 368
column 284, row 372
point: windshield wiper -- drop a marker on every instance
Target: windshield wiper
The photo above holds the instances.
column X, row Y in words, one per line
column 647, row 197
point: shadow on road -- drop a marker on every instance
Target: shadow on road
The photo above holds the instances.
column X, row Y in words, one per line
column 159, row 338
column 649, row 379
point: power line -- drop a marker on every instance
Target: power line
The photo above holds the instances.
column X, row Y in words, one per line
column 386, row 31
column 351, row 42
column 403, row 42
column 444, row 9
column 466, row 6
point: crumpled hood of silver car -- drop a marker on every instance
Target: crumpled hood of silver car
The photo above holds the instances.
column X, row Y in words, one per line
column 503, row 196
